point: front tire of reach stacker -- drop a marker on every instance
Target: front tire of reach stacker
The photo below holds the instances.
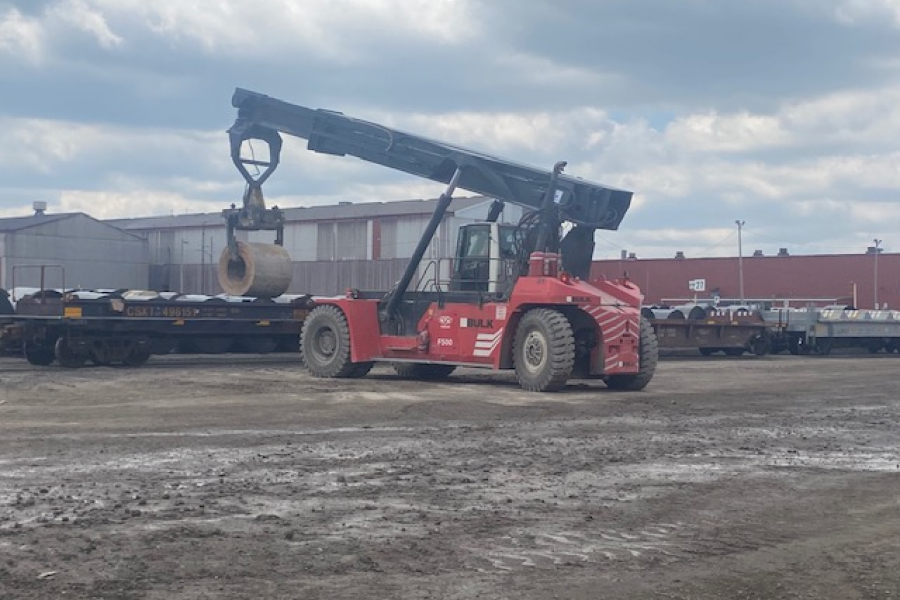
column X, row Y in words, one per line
column 325, row 344
column 648, row 354
column 544, row 350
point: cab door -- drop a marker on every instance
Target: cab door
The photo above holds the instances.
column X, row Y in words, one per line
column 471, row 268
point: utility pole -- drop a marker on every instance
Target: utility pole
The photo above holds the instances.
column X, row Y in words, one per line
column 877, row 250
column 740, row 225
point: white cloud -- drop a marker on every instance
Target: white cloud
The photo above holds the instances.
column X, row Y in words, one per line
column 339, row 30
column 78, row 14
column 537, row 133
column 20, row 36
column 136, row 203
column 725, row 133
column 44, row 145
column 855, row 12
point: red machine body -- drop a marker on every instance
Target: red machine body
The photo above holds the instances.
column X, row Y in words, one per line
column 481, row 335
column 517, row 298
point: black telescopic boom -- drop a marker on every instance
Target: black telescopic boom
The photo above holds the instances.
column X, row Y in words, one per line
column 395, row 296
column 575, row 200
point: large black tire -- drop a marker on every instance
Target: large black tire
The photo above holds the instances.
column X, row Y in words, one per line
column 67, row 357
column 39, row 355
column 325, row 344
column 423, row 371
column 649, row 356
column 544, row 350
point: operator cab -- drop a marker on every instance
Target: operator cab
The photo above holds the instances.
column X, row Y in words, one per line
column 486, row 255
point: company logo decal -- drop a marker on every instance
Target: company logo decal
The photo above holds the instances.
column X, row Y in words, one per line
column 477, row 323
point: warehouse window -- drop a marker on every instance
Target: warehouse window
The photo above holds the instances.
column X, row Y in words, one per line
column 344, row 240
column 325, row 242
column 352, row 240
column 389, row 238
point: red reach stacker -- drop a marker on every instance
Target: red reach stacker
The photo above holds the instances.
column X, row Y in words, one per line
column 516, row 296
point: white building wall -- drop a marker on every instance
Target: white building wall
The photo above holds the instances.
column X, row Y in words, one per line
column 409, row 230
column 299, row 239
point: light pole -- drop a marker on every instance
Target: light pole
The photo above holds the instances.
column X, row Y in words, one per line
column 877, row 250
column 740, row 225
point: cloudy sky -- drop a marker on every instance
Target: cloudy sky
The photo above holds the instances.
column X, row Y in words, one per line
column 782, row 113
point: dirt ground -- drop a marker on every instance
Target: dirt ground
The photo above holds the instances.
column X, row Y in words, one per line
column 218, row 477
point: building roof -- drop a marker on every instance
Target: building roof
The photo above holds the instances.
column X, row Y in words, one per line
column 18, row 223
column 311, row 213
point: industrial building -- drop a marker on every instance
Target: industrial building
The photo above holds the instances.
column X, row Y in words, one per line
column 366, row 245
column 869, row 279
column 71, row 250
column 360, row 245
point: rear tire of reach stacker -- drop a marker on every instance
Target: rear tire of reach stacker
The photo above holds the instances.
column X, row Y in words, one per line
column 649, row 355
column 544, row 350
column 325, row 344
column 423, row 371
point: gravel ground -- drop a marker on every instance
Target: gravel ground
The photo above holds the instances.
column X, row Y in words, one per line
column 242, row 477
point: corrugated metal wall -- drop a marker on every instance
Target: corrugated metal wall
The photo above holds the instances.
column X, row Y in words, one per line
column 832, row 277
column 330, row 256
column 93, row 255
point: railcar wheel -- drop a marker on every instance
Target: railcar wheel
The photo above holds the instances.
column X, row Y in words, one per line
column 423, row 371
column 325, row 343
column 68, row 357
column 139, row 355
column 707, row 351
column 39, row 354
column 649, row 356
column 544, row 350
column 760, row 345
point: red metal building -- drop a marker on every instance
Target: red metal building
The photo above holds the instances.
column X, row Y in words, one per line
column 842, row 278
